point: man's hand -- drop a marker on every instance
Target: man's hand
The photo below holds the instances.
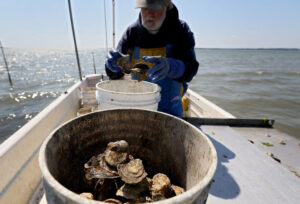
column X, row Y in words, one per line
column 164, row 67
column 111, row 60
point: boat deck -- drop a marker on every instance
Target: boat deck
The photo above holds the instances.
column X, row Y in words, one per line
column 280, row 146
column 244, row 173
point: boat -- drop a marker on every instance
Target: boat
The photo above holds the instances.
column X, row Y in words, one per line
column 245, row 173
column 252, row 167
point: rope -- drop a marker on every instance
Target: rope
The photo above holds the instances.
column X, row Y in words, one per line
column 105, row 27
column 94, row 63
column 74, row 38
column 6, row 65
column 114, row 33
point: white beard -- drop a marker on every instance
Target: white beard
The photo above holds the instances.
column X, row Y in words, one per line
column 154, row 29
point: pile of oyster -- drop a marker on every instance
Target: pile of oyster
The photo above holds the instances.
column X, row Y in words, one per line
column 120, row 178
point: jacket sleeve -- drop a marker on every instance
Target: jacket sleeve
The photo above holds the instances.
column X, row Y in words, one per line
column 187, row 54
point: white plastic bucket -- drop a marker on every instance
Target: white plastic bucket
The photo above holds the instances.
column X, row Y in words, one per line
column 113, row 94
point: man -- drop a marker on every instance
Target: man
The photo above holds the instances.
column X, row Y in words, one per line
column 166, row 44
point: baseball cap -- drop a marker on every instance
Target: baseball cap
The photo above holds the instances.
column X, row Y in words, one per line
column 150, row 4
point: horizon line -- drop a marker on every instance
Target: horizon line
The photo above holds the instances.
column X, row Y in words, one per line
column 216, row 48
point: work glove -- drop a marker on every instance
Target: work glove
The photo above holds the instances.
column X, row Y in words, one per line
column 111, row 60
column 164, row 67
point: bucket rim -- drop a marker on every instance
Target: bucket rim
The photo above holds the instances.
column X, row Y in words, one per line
column 157, row 87
column 74, row 197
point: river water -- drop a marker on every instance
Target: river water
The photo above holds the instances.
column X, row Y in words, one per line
column 248, row 83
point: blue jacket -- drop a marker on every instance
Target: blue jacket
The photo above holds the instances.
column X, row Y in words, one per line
column 174, row 34
column 173, row 31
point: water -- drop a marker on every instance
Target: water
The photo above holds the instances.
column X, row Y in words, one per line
column 246, row 83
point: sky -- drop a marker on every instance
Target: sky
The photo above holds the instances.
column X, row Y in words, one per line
column 215, row 23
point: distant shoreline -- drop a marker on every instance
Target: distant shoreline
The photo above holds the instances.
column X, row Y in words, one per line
column 247, row 48
column 200, row 48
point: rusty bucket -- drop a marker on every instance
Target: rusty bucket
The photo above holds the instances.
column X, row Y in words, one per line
column 165, row 143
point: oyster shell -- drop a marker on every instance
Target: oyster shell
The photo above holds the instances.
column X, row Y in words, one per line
column 112, row 200
column 116, row 153
column 177, row 190
column 134, row 191
column 148, row 199
column 114, row 158
column 140, row 200
column 96, row 167
column 106, row 190
column 161, row 186
column 141, row 70
column 124, row 63
column 119, row 146
column 158, row 197
column 88, row 196
column 133, row 172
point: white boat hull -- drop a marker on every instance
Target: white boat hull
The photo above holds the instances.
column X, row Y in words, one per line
column 20, row 174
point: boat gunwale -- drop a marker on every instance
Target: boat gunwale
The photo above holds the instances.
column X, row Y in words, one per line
column 10, row 149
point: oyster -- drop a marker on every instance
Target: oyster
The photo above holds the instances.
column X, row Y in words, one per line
column 158, row 197
column 177, row 190
column 130, row 157
column 96, row 167
column 148, row 199
column 134, row 191
column 119, row 146
column 124, row 63
column 88, row 196
column 140, row 200
column 161, row 187
column 133, row 172
column 112, row 200
column 116, row 153
column 106, row 190
column 141, row 70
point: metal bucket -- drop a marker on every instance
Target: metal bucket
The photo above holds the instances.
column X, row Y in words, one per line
column 112, row 94
column 166, row 144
